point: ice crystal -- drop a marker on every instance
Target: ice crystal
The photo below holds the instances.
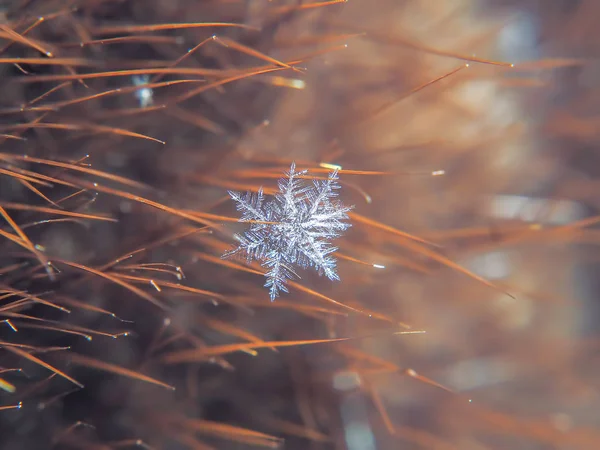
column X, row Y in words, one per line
column 294, row 227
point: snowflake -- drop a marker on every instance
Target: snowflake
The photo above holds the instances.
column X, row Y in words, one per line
column 293, row 228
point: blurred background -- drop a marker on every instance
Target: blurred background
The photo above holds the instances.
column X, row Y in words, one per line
column 466, row 131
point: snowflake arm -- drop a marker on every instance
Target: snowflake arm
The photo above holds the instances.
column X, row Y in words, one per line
column 324, row 191
column 277, row 275
column 299, row 223
column 250, row 205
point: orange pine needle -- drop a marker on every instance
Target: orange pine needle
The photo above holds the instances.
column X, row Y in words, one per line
column 118, row 91
column 167, row 26
column 315, row 39
column 230, row 43
column 411, row 373
column 303, row 308
column 293, row 429
column 131, row 72
column 22, row 177
column 125, row 39
column 38, row 361
column 176, row 212
column 387, row 106
column 549, row 64
column 79, row 127
column 396, row 40
column 50, row 62
column 183, row 57
column 17, row 406
column 112, row 368
column 306, row 6
column 228, row 184
column 381, row 409
column 6, row 386
column 227, row 263
column 115, row 280
column 194, row 119
column 74, row 167
column 200, row 90
column 41, row 179
column 227, row 328
column 373, row 223
column 163, row 284
column 81, row 305
column 183, row 233
column 10, row 136
column 51, row 328
column 59, row 212
column 37, row 192
column 27, row 243
column 195, row 355
column 231, row 432
column 12, row 35
column 41, row 301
